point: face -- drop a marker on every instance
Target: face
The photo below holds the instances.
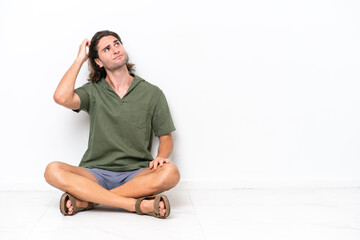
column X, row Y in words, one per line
column 111, row 53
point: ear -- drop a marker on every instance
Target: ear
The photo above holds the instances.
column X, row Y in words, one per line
column 98, row 62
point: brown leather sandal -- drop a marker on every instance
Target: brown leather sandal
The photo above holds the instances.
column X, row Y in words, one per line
column 64, row 210
column 155, row 212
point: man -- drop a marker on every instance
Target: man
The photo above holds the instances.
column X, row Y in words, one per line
column 117, row 169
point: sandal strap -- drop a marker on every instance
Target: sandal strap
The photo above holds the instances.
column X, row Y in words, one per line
column 155, row 212
column 138, row 203
column 156, row 205
column 73, row 203
column 90, row 206
column 164, row 199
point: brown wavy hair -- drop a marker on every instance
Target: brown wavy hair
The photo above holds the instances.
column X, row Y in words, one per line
column 96, row 72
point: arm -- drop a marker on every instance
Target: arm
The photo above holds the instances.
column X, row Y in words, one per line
column 164, row 151
column 64, row 93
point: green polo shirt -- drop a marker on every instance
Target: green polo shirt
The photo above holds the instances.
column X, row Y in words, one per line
column 121, row 129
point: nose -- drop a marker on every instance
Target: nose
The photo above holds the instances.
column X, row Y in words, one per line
column 115, row 51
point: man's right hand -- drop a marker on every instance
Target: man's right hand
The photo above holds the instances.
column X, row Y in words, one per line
column 82, row 54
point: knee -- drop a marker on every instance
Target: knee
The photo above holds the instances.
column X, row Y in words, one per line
column 169, row 178
column 52, row 172
column 173, row 174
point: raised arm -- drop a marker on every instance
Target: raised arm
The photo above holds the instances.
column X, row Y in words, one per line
column 64, row 93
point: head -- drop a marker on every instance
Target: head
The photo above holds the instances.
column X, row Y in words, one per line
column 98, row 54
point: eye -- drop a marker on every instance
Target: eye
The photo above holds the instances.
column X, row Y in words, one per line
column 117, row 44
column 106, row 49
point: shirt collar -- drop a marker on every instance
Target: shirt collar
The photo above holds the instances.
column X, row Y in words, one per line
column 133, row 84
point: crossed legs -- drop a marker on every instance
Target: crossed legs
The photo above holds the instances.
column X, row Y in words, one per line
column 83, row 185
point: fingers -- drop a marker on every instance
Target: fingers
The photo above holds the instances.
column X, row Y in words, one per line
column 158, row 162
column 162, row 161
column 85, row 43
column 83, row 54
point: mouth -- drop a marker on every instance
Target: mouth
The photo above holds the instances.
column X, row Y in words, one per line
column 117, row 57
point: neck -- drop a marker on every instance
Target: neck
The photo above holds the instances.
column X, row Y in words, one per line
column 119, row 78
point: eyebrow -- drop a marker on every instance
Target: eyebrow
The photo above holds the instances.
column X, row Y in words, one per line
column 115, row 41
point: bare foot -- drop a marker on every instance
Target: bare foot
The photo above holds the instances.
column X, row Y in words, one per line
column 79, row 203
column 148, row 206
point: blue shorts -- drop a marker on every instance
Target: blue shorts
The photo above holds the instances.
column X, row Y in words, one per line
column 109, row 179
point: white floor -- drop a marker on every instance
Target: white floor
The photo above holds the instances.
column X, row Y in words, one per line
column 196, row 214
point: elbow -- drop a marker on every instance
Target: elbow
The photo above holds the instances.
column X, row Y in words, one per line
column 56, row 98
column 59, row 99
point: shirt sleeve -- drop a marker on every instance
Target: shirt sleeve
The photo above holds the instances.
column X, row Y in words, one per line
column 162, row 122
column 84, row 94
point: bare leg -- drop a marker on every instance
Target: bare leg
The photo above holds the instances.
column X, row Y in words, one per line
column 150, row 182
column 83, row 185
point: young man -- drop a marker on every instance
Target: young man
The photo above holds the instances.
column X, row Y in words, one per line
column 117, row 169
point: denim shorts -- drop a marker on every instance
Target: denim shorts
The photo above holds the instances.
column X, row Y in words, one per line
column 109, row 179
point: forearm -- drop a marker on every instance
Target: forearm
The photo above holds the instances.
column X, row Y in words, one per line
column 165, row 147
column 64, row 93
column 65, row 89
column 164, row 151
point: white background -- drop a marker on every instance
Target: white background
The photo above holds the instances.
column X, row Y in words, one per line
column 262, row 93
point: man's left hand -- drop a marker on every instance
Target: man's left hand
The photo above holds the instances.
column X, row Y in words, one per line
column 159, row 161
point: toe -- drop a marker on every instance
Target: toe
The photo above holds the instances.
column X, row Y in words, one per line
column 69, row 207
column 68, row 204
column 162, row 209
column 70, row 210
